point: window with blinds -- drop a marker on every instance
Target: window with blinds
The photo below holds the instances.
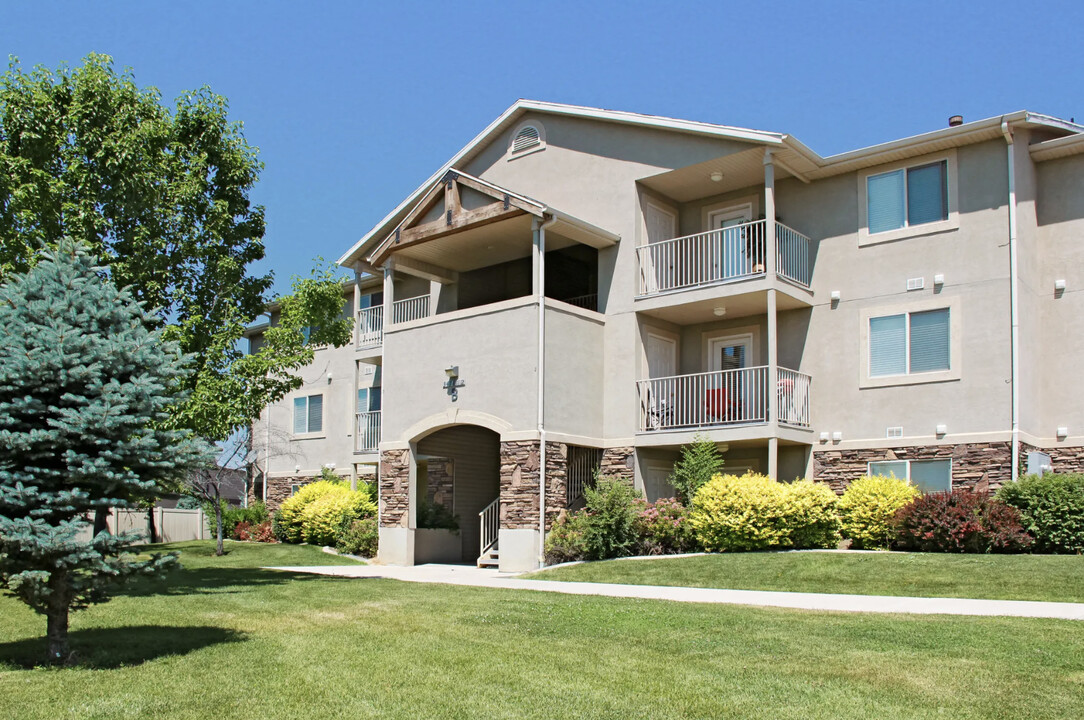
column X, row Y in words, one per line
column 909, row 343
column 308, row 414
column 908, row 196
column 927, row 475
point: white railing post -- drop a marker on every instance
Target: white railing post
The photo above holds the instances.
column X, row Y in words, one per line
column 367, row 431
column 732, row 253
column 489, row 520
column 370, row 326
column 720, row 397
column 793, row 393
column 409, row 309
column 792, row 253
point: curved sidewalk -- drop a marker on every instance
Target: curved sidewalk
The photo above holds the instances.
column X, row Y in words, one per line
column 478, row 577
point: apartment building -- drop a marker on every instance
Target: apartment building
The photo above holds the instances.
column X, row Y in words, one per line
column 582, row 289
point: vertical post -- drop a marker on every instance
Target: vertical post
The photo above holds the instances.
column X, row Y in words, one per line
column 773, row 324
column 539, row 262
column 389, row 290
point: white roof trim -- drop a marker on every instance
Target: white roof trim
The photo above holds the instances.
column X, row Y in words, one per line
column 521, row 106
column 1057, row 148
column 821, row 166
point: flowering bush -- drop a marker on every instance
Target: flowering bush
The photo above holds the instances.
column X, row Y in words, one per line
column 754, row 512
column 241, row 530
column 960, row 521
column 1051, row 508
column 663, row 527
column 565, row 540
column 245, row 530
column 868, row 506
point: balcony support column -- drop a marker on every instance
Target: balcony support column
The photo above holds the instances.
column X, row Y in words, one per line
column 389, row 290
column 769, row 216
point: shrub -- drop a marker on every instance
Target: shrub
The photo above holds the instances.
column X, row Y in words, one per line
column 290, row 513
column 435, row 516
column 700, row 461
column 263, row 533
column 358, row 537
column 960, row 521
column 610, row 525
column 241, row 531
column 868, row 506
column 277, row 528
column 322, row 518
column 1051, row 508
column 565, row 541
column 663, row 528
column 754, row 512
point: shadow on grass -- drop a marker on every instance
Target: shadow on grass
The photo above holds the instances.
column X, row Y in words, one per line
column 209, row 581
column 110, row 648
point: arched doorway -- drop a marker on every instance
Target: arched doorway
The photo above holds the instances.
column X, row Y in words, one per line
column 458, row 476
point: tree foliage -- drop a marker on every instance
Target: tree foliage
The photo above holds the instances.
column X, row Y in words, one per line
column 85, row 390
column 700, row 461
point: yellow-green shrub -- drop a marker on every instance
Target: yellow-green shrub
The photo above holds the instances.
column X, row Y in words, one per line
column 868, row 506
column 324, row 517
column 290, row 513
column 754, row 512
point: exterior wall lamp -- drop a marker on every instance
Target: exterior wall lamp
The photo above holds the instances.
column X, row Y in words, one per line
column 453, row 382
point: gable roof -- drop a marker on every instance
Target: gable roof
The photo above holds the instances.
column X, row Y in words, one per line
column 791, row 154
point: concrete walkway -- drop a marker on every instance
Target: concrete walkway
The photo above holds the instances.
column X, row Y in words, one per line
column 479, row 577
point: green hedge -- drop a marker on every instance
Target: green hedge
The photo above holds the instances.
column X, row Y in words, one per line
column 1051, row 509
column 868, row 507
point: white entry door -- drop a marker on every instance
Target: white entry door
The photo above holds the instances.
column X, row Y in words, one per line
column 732, row 396
column 657, row 403
column 658, row 265
column 737, row 249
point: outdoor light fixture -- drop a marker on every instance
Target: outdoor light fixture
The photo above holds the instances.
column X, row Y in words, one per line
column 1059, row 286
column 1063, row 432
column 719, row 311
column 824, row 437
column 938, row 279
column 941, row 429
column 837, row 436
column 453, row 382
column 716, row 176
column 329, row 378
column 297, row 468
column 835, row 296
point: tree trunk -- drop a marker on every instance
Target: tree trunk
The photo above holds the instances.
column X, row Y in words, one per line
column 152, row 527
column 218, row 524
column 101, row 520
column 57, row 618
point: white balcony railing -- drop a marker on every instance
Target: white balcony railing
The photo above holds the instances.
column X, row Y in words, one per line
column 413, row 308
column 370, row 326
column 722, row 398
column 367, row 431
column 723, row 255
column 489, row 521
column 793, row 394
column 792, row 255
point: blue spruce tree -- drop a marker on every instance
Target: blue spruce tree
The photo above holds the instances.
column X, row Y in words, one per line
column 85, row 388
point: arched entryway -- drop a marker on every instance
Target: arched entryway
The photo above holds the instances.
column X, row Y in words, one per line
column 458, row 475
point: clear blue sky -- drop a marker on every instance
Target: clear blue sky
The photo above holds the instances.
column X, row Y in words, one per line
column 354, row 104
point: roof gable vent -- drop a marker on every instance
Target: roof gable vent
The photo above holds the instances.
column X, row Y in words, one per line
column 527, row 138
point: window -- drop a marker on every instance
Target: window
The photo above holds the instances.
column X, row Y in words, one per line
column 927, row 475
column 308, row 414
column 368, row 399
column 371, row 300
column 908, row 196
column 909, row 343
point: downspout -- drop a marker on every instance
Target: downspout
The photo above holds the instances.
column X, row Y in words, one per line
column 267, row 454
column 539, row 226
column 1014, row 311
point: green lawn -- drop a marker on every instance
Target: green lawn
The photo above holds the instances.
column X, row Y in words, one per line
column 1000, row 577
column 224, row 639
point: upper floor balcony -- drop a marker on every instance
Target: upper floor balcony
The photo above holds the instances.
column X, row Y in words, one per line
column 728, row 254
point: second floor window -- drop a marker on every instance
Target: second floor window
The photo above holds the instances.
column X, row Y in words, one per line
column 308, row 414
column 368, row 399
column 909, row 343
column 908, row 196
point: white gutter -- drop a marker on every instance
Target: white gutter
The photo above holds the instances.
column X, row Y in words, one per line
column 1014, row 312
column 267, row 453
column 539, row 231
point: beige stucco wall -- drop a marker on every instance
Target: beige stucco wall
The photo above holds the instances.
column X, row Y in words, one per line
column 574, row 371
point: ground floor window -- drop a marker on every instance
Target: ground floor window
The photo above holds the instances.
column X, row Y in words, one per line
column 927, row 475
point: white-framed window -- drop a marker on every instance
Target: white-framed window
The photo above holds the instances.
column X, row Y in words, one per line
column 529, row 137
column 927, row 475
column 294, row 489
column 908, row 198
column 308, row 414
column 369, row 300
column 368, row 399
column 910, row 343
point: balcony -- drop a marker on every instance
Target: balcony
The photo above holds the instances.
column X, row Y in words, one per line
column 723, row 398
column 367, row 432
column 725, row 255
column 370, row 321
